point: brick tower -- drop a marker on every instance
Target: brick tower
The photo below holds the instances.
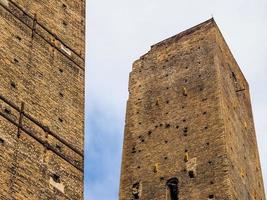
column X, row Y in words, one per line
column 189, row 131
column 41, row 99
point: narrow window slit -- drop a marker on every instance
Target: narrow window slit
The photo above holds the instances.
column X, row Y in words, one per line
column 172, row 188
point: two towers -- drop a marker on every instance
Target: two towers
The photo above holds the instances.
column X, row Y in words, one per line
column 189, row 130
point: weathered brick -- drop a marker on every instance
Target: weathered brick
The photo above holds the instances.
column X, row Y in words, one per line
column 41, row 68
column 189, row 123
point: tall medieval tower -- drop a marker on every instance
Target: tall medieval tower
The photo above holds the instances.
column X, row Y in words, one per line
column 189, row 131
column 41, row 99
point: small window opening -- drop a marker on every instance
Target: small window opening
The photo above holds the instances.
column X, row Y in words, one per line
column 64, row 6
column 2, row 141
column 60, row 119
column 167, row 126
column 136, row 190
column 56, row 178
column 172, row 187
column 149, row 132
column 61, row 94
column 61, row 70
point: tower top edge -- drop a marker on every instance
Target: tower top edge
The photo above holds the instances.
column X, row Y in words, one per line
column 208, row 23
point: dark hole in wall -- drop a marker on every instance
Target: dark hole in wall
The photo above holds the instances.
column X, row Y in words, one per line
column 61, row 94
column 167, row 126
column 173, row 191
column 61, row 70
column 64, row 23
column 191, row 174
column 234, row 76
column 2, row 141
column 211, row 196
column 15, row 60
column 136, row 190
column 185, row 130
column 58, row 147
column 18, row 38
column 56, row 178
column 60, row 119
column 7, row 111
column 133, row 150
column 13, row 85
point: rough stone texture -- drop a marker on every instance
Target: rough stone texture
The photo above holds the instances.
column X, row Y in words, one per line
column 41, row 99
column 189, row 118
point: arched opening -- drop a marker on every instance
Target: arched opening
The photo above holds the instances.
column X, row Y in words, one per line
column 172, row 189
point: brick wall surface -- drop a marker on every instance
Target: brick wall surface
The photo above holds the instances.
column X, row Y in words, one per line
column 41, row 99
column 189, row 124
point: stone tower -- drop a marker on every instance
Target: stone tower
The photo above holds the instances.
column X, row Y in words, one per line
column 189, row 131
column 41, row 99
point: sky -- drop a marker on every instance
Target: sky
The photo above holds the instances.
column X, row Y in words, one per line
column 120, row 31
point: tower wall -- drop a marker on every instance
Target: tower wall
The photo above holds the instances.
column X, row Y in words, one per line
column 41, row 99
column 244, row 165
column 176, row 131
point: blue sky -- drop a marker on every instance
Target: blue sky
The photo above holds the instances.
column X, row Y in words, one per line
column 119, row 31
